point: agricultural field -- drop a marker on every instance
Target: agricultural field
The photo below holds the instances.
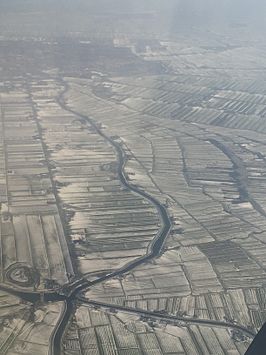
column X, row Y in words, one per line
column 213, row 264
column 32, row 236
column 98, row 332
column 132, row 191
column 26, row 328
column 108, row 224
column 185, row 283
column 32, row 332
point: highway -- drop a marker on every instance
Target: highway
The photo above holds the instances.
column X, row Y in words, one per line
column 179, row 320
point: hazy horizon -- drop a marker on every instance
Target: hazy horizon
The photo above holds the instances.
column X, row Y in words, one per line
column 65, row 16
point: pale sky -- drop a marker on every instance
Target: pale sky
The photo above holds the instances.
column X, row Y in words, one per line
column 176, row 14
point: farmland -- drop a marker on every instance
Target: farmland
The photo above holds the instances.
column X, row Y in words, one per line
column 132, row 204
column 31, row 230
column 105, row 333
column 213, row 264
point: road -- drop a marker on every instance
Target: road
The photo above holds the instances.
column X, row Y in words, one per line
column 168, row 318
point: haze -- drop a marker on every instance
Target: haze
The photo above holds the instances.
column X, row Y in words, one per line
column 132, row 177
column 59, row 17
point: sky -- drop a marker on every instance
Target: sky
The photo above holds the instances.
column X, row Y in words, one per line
column 64, row 15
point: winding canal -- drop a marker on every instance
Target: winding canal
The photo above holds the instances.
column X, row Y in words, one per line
column 154, row 250
column 72, row 293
